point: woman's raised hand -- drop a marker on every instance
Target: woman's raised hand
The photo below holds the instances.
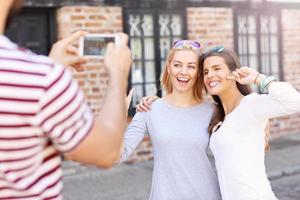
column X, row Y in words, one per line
column 145, row 102
column 244, row 75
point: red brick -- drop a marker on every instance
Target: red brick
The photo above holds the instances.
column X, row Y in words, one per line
column 92, row 24
column 78, row 9
column 78, row 17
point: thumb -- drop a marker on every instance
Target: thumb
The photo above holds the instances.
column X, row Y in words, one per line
column 231, row 77
column 129, row 97
column 130, row 94
column 109, row 49
column 108, row 54
column 74, row 60
column 121, row 39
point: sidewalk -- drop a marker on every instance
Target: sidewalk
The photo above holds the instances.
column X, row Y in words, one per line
column 133, row 182
column 284, row 157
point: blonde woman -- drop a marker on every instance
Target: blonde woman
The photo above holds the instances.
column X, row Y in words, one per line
column 178, row 127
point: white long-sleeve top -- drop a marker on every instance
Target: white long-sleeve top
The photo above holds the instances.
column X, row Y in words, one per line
column 238, row 145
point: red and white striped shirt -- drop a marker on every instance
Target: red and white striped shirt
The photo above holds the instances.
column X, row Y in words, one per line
column 42, row 113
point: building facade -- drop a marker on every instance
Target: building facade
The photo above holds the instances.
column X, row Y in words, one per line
column 265, row 34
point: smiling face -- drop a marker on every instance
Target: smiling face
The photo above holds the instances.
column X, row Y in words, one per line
column 215, row 73
column 183, row 70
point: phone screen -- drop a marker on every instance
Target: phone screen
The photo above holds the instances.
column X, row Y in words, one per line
column 95, row 45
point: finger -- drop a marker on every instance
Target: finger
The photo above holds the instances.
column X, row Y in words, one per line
column 74, row 60
column 145, row 102
column 231, row 77
column 139, row 109
column 74, row 37
column 147, row 106
column 78, row 67
column 121, row 39
column 245, row 69
column 143, row 108
column 236, row 75
column 109, row 48
column 142, row 104
column 242, row 73
column 129, row 96
column 72, row 50
column 150, row 100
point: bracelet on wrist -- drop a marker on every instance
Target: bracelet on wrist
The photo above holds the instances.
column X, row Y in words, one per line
column 263, row 86
column 256, row 77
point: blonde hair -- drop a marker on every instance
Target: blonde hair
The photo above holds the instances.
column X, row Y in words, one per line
column 165, row 78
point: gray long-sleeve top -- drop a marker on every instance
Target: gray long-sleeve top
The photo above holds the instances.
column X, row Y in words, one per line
column 182, row 170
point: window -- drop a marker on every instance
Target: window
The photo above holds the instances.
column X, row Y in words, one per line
column 152, row 34
column 34, row 28
column 258, row 41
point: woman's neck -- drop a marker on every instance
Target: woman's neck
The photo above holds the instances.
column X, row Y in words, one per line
column 230, row 100
column 181, row 99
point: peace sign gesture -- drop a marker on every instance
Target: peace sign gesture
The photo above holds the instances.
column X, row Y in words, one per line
column 244, row 75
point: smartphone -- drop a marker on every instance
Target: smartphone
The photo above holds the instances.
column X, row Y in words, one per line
column 94, row 45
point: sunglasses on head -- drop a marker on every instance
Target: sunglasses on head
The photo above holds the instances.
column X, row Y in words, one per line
column 186, row 44
column 216, row 49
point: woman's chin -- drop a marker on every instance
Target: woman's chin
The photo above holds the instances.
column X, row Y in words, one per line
column 183, row 90
column 213, row 92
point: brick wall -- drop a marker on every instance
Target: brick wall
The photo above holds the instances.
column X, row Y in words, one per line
column 291, row 68
column 210, row 26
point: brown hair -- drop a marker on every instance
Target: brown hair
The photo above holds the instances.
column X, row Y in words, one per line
column 165, row 78
column 233, row 63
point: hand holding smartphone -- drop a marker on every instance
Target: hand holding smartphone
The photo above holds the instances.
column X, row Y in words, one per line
column 94, row 45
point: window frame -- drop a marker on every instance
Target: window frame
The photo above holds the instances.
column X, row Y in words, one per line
column 267, row 10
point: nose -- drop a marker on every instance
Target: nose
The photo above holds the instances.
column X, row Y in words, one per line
column 210, row 74
column 184, row 70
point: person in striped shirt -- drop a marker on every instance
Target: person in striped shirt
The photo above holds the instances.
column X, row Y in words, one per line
column 43, row 114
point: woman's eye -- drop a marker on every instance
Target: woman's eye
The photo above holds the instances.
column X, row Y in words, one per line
column 205, row 73
column 176, row 65
column 192, row 67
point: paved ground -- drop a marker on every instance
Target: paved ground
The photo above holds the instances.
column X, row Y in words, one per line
column 133, row 182
column 287, row 187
